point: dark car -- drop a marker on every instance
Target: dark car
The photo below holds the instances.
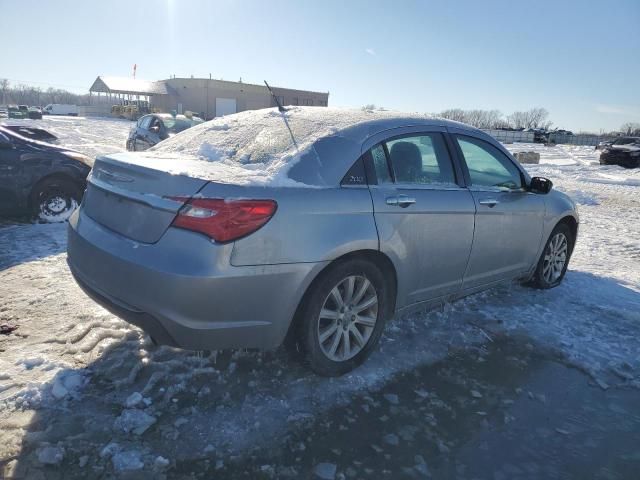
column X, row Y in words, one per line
column 37, row 178
column 152, row 129
column 617, row 141
column 39, row 134
column 15, row 112
column 625, row 154
column 34, row 113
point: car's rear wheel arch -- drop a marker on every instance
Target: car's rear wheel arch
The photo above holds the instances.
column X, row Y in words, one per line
column 380, row 260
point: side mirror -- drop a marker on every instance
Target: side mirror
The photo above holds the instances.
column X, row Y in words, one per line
column 540, row 185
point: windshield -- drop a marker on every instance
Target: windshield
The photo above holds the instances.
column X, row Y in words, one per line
column 625, row 141
column 179, row 123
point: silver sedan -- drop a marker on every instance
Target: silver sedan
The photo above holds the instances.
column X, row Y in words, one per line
column 317, row 226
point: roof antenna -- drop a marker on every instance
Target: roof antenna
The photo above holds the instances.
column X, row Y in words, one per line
column 282, row 110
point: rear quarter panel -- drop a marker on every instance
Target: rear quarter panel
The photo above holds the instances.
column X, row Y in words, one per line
column 310, row 225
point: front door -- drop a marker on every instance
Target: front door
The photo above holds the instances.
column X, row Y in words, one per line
column 10, row 174
column 424, row 218
column 509, row 219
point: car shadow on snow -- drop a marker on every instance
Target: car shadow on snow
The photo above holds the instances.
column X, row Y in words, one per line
column 27, row 242
column 139, row 408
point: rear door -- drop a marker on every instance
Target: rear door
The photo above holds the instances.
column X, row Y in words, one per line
column 508, row 224
column 424, row 217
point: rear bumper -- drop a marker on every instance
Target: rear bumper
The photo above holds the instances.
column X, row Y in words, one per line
column 183, row 291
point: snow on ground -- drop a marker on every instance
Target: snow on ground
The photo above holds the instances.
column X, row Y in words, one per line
column 91, row 136
column 77, row 382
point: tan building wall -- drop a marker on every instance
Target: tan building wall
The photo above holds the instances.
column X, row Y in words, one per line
column 199, row 95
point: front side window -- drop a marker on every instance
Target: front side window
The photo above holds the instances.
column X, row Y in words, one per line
column 421, row 159
column 488, row 166
column 145, row 122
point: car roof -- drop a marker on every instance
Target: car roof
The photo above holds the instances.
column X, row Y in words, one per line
column 262, row 146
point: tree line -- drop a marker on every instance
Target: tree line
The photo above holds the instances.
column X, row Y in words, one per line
column 535, row 118
column 538, row 117
column 22, row 94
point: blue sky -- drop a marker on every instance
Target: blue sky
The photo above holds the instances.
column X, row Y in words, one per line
column 580, row 60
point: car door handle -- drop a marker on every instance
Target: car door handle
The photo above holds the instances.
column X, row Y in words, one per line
column 489, row 202
column 401, row 201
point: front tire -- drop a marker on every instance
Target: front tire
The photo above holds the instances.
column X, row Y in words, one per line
column 554, row 260
column 343, row 317
column 54, row 200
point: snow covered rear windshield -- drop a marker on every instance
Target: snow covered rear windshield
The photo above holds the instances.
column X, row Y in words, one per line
column 261, row 136
column 248, row 137
column 255, row 147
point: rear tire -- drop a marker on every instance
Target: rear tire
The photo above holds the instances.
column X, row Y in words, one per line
column 554, row 260
column 55, row 199
column 343, row 316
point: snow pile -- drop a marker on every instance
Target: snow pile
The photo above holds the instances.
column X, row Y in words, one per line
column 253, row 147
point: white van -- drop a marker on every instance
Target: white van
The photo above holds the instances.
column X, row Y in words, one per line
column 60, row 109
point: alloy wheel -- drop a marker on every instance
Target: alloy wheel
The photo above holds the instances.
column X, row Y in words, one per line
column 555, row 258
column 347, row 318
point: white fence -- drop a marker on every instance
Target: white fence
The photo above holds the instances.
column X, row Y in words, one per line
column 511, row 136
column 94, row 110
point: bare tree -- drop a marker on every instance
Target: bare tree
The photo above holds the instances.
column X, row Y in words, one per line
column 4, row 86
column 455, row 114
column 477, row 118
column 27, row 95
column 630, row 128
column 534, row 118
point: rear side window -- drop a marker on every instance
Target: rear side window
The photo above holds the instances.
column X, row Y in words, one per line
column 488, row 166
column 422, row 159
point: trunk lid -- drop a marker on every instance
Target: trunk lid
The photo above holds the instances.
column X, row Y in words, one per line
column 134, row 200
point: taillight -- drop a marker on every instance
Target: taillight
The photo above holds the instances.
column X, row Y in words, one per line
column 224, row 220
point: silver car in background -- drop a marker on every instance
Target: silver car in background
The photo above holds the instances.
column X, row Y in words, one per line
column 371, row 215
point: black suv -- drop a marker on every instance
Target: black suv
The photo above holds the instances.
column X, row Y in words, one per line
column 623, row 151
column 37, row 178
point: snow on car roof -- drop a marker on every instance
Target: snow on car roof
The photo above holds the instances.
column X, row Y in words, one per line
column 256, row 147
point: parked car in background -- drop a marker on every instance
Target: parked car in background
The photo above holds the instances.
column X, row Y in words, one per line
column 60, row 109
column 248, row 239
column 152, row 129
column 617, row 141
column 32, row 133
column 37, row 178
column 624, row 151
column 34, row 113
column 3, row 111
column 14, row 112
column 540, row 135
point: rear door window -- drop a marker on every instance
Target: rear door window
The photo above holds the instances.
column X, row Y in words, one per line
column 420, row 159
